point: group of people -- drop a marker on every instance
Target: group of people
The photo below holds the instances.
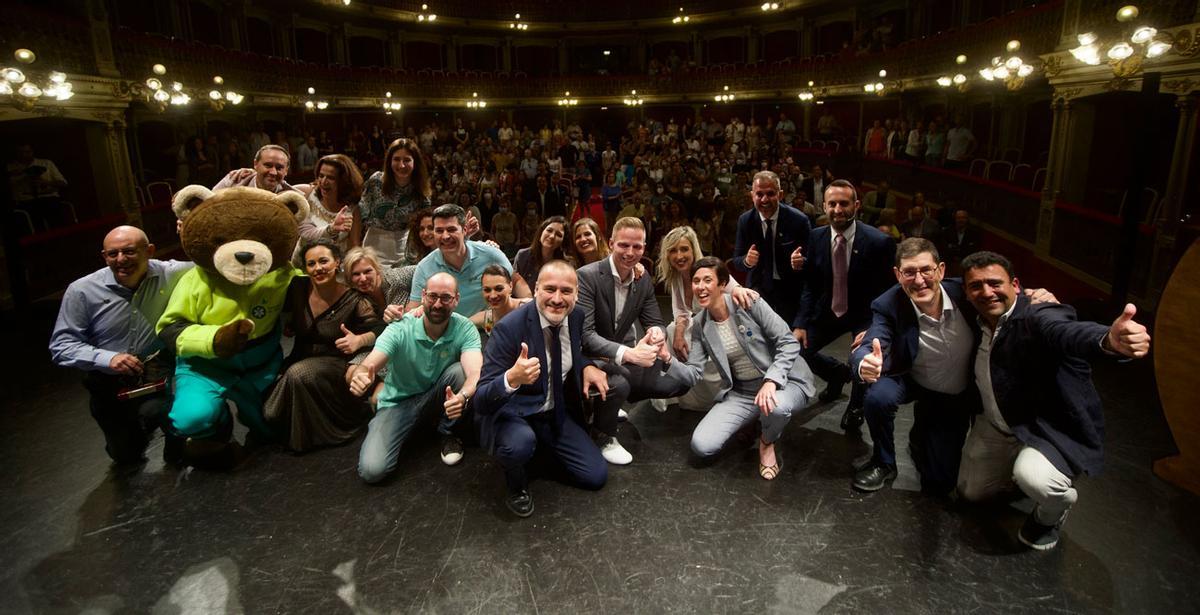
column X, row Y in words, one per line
column 538, row 359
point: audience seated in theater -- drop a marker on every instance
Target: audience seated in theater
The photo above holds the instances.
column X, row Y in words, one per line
column 390, row 198
column 309, row 406
column 1042, row 424
column 959, row 240
column 877, row 200
column 919, row 224
column 680, row 249
column 762, row 374
column 545, row 245
column 433, row 364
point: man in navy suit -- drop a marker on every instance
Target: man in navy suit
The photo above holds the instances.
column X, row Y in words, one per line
column 1042, row 422
column 849, row 264
column 534, row 378
column 918, row 347
column 767, row 238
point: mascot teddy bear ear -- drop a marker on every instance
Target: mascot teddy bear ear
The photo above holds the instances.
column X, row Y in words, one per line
column 188, row 198
column 296, row 203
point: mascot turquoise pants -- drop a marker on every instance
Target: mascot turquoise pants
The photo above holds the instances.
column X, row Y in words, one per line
column 202, row 386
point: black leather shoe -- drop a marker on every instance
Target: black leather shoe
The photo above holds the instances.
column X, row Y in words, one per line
column 520, row 503
column 852, row 418
column 832, row 391
column 873, row 477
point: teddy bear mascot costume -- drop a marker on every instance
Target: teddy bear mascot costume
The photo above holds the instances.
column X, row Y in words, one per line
column 223, row 317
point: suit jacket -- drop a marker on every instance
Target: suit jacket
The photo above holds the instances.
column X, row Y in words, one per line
column 764, row 337
column 492, row 400
column 552, row 206
column 894, row 323
column 603, row 332
column 869, row 275
column 1043, row 384
column 791, row 230
column 808, row 186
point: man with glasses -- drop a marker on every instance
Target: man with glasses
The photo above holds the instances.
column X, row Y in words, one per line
column 918, row 348
column 461, row 259
column 433, row 366
column 105, row 327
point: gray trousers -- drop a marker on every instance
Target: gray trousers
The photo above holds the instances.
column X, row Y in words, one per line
column 992, row 461
column 738, row 409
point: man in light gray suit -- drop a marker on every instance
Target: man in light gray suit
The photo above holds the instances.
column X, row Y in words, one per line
column 612, row 299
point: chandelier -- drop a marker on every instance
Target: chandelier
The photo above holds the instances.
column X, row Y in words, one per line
column 426, row 17
column 877, row 87
column 217, row 98
column 633, row 100
column 314, row 104
column 567, row 101
column 24, row 90
column 724, row 96
column 1126, row 54
column 158, row 93
column 388, row 105
column 958, row 79
column 1011, row 71
column 518, row 25
column 476, row 102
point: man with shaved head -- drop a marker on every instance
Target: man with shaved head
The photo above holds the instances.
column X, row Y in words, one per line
column 105, row 327
column 432, row 367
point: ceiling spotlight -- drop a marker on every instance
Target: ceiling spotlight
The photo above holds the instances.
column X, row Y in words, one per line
column 1013, row 46
column 1128, row 12
column 159, row 69
column 882, row 73
column 961, row 59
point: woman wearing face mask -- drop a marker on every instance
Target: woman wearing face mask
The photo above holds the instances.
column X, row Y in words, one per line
column 547, row 245
column 680, row 249
column 391, row 196
column 310, row 405
column 763, row 376
column 497, row 294
column 332, row 202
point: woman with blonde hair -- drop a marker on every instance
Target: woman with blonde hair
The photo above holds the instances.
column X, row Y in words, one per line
column 680, row 248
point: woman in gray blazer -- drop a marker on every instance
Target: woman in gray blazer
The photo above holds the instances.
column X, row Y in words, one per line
column 762, row 373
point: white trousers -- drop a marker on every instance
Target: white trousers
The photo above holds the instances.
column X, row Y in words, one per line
column 992, row 461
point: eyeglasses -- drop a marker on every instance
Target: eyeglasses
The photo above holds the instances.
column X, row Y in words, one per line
column 445, row 298
column 911, row 274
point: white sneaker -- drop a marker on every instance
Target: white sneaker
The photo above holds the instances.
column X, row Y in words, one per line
column 614, row 453
column 622, row 415
column 660, row 404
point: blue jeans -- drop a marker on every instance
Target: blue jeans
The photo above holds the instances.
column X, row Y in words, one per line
column 391, row 425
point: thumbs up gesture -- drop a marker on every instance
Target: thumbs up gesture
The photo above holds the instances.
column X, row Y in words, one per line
column 454, row 404
column 871, row 367
column 349, row 343
column 362, row 380
column 525, row 370
column 798, row 258
column 752, row 256
column 1127, row 336
column 342, row 221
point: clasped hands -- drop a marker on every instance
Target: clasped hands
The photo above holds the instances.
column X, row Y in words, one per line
column 651, row 347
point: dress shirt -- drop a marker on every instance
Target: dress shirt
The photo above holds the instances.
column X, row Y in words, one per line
column 23, row 187
column 100, row 319
column 771, row 238
column 943, row 348
column 620, row 296
column 848, row 234
column 983, row 372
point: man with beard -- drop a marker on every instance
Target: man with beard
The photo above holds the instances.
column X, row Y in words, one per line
column 433, row 366
column 848, row 265
column 530, row 395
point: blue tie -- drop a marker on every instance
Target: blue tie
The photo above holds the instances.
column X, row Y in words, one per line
column 556, row 379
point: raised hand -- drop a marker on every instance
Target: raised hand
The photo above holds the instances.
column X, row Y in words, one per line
column 393, row 312
column 1126, row 336
column 871, row 367
column 525, row 370
column 752, row 256
column 797, row 258
column 342, row 221
column 349, row 343
column 454, row 404
column 743, row 297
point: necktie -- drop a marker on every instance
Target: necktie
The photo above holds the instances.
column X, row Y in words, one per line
column 769, row 253
column 840, row 265
column 556, row 379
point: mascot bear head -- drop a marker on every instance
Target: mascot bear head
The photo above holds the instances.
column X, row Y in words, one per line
column 241, row 233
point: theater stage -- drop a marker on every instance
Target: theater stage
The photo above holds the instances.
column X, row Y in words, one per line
column 289, row 534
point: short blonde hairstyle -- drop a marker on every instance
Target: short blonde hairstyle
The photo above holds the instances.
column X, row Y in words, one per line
column 361, row 254
column 665, row 272
column 628, row 222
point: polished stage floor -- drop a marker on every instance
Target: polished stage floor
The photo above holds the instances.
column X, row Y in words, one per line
column 289, row 534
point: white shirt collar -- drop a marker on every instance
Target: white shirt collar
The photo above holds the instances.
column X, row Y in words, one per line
column 612, row 263
column 848, row 233
column 774, row 217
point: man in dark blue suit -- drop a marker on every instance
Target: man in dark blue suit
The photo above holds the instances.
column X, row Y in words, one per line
column 918, row 347
column 534, row 378
column 767, row 238
column 848, row 264
column 1042, row 423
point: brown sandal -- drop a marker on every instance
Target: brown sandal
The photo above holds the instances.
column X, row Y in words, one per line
column 771, row 471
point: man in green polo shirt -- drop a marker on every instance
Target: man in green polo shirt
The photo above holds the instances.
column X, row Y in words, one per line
column 462, row 259
column 433, row 366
